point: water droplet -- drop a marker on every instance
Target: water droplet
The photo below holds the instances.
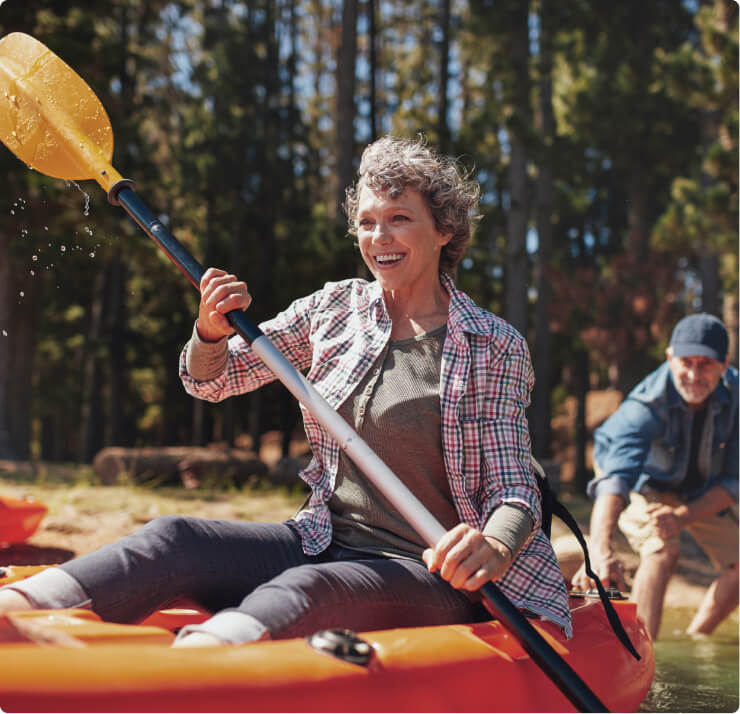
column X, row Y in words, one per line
column 92, row 254
column 32, row 272
column 5, row 333
column 87, row 197
column 46, row 228
column 12, row 212
column 34, row 258
column 63, row 248
column 22, row 294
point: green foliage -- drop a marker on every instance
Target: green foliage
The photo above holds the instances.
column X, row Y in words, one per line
column 224, row 114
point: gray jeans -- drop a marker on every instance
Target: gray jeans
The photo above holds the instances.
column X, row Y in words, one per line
column 257, row 580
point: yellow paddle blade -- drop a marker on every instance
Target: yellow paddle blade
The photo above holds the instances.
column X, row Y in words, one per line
column 49, row 118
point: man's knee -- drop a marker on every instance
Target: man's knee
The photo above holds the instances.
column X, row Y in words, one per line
column 664, row 559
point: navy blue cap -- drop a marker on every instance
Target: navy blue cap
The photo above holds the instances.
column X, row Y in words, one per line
column 701, row 335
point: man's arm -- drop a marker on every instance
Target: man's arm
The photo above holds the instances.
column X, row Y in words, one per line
column 669, row 521
column 605, row 564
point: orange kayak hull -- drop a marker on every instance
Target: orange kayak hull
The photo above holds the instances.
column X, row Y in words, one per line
column 19, row 519
column 475, row 667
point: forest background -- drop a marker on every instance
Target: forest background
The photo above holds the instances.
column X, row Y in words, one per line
column 604, row 136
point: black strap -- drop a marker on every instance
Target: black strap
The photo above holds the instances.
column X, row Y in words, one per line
column 564, row 514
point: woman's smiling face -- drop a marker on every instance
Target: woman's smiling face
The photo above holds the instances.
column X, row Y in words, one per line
column 398, row 239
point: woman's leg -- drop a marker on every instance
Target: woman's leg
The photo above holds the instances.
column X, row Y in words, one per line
column 214, row 563
column 358, row 592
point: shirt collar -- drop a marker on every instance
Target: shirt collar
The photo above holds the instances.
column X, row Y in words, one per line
column 464, row 313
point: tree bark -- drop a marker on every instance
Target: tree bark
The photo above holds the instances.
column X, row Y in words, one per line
column 6, row 332
column 116, row 418
column 540, row 422
column 580, row 371
column 91, row 437
column 443, row 128
column 373, row 62
column 25, row 312
column 515, row 296
column 710, row 284
column 346, row 59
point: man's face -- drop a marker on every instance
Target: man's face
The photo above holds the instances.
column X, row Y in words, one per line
column 695, row 378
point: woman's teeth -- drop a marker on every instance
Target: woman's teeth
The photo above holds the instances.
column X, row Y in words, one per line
column 387, row 259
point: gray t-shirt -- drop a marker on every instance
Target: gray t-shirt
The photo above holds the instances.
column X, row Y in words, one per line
column 396, row 411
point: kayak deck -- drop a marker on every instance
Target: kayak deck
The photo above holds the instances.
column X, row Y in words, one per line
column 474, row 667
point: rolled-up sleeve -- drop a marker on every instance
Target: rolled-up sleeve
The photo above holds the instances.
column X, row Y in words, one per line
column 621, row 446
column 242, row 370
column 504, row 436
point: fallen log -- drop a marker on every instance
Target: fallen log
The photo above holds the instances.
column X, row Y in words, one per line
column 183, row 465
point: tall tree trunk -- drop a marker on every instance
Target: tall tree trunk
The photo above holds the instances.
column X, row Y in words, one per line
column 580, row 371
column 345, row 113
column 372, row 69
column 540, row 422
column 710, row 284
column 708, row 260
column 6, row 333
column 116, row 419
column 443, row 128
column 91, row 436
column 730, row 318
column 515, row 296
column 25, row 322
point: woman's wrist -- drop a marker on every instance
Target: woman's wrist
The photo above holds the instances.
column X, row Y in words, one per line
column 205, row 336
column 500, row 548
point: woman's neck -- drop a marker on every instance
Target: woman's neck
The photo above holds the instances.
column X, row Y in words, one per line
column 413, row 316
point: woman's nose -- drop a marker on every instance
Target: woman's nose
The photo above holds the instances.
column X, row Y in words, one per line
column 380, row 234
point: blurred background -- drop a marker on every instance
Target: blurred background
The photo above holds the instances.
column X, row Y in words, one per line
column 604, row 135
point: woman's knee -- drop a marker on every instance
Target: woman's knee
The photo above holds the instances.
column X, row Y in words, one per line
column 169, row 529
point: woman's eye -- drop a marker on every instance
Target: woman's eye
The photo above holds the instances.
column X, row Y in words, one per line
column 365, row 222
column 400, row 217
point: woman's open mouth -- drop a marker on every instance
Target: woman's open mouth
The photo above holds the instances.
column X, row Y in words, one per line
column 388, row 260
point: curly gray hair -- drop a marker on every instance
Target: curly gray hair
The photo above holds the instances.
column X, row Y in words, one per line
column 391, row 165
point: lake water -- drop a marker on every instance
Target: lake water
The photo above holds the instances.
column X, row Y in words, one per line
column 694, row 675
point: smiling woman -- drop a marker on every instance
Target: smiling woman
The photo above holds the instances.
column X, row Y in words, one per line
column 407, row 359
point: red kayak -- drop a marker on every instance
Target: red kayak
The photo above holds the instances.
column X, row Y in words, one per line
column 19, row 518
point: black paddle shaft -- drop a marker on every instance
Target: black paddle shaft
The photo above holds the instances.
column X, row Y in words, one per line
column 549, row 661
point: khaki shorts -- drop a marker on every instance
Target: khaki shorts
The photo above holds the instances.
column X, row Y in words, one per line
column 717, row 535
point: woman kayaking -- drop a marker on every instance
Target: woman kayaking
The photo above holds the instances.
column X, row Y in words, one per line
column 436, row 385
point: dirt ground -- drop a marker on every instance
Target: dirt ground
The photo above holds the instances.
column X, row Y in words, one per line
column 83, row 517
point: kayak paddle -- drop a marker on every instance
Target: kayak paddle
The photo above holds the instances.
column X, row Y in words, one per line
column 55, row 124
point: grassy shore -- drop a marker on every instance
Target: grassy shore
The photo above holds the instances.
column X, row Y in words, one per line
column 84, row 515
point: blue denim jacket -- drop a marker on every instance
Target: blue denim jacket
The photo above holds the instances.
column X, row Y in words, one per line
column 645, row 443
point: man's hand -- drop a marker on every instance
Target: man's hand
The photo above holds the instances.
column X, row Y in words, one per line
column 609, row 569
column 666, row 521
column 603, row 560
column 467, row 559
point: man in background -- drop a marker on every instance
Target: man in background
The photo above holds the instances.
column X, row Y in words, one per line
column 665, row 461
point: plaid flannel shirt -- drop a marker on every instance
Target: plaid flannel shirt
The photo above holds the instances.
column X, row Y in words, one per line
column 337, row 334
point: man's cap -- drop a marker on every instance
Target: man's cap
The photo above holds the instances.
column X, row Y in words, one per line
column 701, row 335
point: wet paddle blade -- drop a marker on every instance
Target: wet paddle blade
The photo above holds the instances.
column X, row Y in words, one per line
column 49, row 118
